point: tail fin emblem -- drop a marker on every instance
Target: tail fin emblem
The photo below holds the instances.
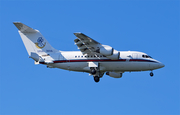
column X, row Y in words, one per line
column 40, row 43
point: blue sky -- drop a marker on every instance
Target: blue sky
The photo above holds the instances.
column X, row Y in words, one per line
column 152, row 27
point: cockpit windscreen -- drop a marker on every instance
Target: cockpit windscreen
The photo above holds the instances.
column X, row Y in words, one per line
column 146, row 56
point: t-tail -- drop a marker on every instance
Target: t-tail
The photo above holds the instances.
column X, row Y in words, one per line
column 35, row 43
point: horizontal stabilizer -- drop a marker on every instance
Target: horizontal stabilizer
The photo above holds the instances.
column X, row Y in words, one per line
column 23, row 28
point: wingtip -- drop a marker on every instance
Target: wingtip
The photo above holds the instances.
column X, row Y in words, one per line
column 16, row 22
column 76, row 33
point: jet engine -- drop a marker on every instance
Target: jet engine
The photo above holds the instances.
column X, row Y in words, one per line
column 109, row 52
column 114, row 74
column 115, row 55
column 105, row 50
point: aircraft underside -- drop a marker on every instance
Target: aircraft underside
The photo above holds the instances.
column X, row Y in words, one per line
column 105, row 66
column 113, row 69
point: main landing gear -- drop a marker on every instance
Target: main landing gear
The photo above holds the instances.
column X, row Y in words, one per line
column 93, row 71
column 96, row 73
column 96, row 78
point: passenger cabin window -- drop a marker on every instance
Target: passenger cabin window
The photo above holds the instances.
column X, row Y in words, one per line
column 88, row 56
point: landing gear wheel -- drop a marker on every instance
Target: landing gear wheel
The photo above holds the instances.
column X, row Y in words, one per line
column 151, row 74
column 96, row 79
column 93, row 71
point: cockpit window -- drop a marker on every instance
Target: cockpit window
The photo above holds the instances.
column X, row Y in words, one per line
column 146, row 56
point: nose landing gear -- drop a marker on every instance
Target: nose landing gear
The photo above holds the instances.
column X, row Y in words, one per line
column 151, row 74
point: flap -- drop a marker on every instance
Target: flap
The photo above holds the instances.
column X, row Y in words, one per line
column 86, row 44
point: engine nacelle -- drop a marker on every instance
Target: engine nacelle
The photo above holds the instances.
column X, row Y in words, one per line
column 115, row 55
column 105, row 50
column 114, row 74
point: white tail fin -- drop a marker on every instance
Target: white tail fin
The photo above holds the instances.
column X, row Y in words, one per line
column 34, row 40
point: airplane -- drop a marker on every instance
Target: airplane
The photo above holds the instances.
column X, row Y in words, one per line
column 93, row 57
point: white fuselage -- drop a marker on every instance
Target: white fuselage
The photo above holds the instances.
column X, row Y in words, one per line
column 93, row 57
column 76, row 61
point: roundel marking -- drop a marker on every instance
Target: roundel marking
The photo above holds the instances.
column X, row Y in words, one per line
column 40, row 43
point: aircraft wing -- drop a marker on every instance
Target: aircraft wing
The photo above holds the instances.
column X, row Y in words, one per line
column 87, row 45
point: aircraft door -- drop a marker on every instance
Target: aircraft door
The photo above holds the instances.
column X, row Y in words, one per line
column 135, row 55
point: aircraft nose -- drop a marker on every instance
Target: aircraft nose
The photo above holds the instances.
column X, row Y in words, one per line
column 161, row 65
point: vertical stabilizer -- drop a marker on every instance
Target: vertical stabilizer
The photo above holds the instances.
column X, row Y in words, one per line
column 34, row 41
